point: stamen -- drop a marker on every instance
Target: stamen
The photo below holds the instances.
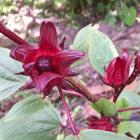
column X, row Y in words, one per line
column 43, row 64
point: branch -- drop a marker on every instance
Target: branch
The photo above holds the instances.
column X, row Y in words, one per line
column 84, row 91
column 11, row 35
column 74, row 130
column 117, row 93
column 128, row 109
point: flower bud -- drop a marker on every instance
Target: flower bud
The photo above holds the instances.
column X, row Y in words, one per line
column 117, row 72
column 103, row 123
column 137, row 62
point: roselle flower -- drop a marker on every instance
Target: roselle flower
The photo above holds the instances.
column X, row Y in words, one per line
column 137, row 62
column 118, row 70
column 47, row 64
column 103, row 123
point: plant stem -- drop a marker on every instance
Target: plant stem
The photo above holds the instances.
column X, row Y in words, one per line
column 4, row 30
column 129, row 81
column 85, row 92
column 117, row 93
column 128, row 109
column 74, row 130
column 116, row 120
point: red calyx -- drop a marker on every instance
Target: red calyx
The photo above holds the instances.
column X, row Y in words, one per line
column 47, row 64
column 103, row 123
column 137, row 62
column 118, row 70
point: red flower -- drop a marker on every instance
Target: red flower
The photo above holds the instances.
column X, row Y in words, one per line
column 47, row 64
column 117, row 72
column 103, row 123
column 137, row 62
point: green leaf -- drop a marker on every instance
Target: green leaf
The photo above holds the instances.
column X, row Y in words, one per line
column 38, row 123
column 98, row 135
column 97, row 45
column 26, row 107
column 101, row 51
column 9, row 82
column 123, row 103
column 8, row 63
column 128, row 1
column 129, row 126
column 100, row 7
column 129, row 15
column 132, row 97
column 81, row 41
column 110, row 19
column 105, row 107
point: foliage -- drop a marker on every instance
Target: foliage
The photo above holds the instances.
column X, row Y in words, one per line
column 125, row 10
column 26, row 121
column 97, row 134
column 106, row 107
column 108, row 10
column 99, row 48
column 6, row 6
column 123, row 103
column 9, row 82
column 132, row 97
column 129, row 126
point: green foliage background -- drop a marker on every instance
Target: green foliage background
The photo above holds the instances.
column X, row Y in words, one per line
column 110, row 11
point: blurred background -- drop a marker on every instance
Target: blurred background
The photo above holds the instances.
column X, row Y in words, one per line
column 119, row 19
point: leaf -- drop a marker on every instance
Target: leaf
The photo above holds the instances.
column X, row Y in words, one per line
column 129, row 126
column 38, row 123
column 81, row 41
column 8, row 63
column 129, row 15
column 97, row 45
column 132, row 97
column 26, row 107
column 9, row 82
column 98, row 135
column 110, row 19
column 123, row 103
column 105, row 107
column 8, row 88
column 100, row 7
column 101, row 52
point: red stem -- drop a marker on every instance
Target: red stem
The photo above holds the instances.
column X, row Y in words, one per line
column 117, row 93
column 11, row 35
column 128, row 109
column 85, row 92
column 74, row 130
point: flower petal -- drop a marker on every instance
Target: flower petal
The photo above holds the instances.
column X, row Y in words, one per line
column 46, row 81
column 103, row 123
column 127, row 59
column 64, row 59
column 30, row 70
column 29, row 85
column 117, row 75
column 137, row 61
column 23, row 53
column 110, row 70
column 61, row 45
column 48, row 37
column 118, row 70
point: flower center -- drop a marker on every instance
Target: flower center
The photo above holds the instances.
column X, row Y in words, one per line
column 43, row 64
